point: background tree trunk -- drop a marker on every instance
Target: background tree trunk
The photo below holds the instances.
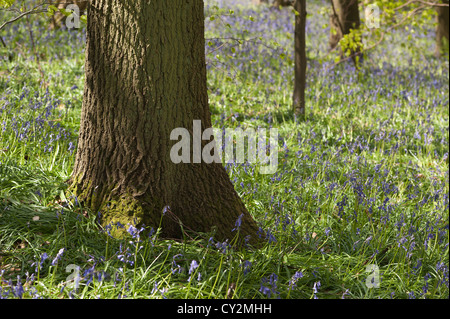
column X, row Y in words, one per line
column 275, row 3
column 345, row 16
column 300, row 59
column 282, row 3
column 442, row 27
column 145, row 76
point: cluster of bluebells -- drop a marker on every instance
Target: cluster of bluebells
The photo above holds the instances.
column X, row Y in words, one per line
column 360, row 188
column 161, row 291
column 18, row 289
column 25, row 288
column 269, row 285
column 50, row 42
column 33, row 121
column 127, row 255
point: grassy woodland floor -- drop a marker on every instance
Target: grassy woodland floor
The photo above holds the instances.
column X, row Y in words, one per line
column 363, row 181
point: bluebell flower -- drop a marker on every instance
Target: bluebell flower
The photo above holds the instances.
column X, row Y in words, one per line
column 44, row 257
column 294, row 279
column 133, row 231
column 368, row 239
column 346, row 292
column 224, row 246
column 166, row 209
column 238, row 223
column 210, row 242
column 246, row 265
column 119, row 225
column 58, row 256
column 125, row 256
column 194, row 265
column 161, row 291
column 18, row 290
column 425, row 287
column 175, row 266
column 265, row 290
column 316, row 287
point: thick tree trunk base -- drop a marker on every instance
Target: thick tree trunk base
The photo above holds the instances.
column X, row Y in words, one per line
column 146, row 77
column 214, row 215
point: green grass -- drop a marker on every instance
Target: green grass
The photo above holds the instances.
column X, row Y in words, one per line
column 363, row 180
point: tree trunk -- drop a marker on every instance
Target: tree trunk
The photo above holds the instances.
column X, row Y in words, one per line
column 345, row 17
column 300, row 59
column 282, row 3
column 276, row 3
column 145, row 76
column 442, row 27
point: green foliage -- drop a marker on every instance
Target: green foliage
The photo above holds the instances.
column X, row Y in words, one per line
column 352, row 42
column 410, row 16
column 52, row 9
column 6, row 3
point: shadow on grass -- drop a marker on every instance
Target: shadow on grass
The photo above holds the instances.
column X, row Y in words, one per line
column 28, row 198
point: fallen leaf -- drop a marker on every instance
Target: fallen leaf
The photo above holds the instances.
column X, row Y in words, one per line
column 230, row 291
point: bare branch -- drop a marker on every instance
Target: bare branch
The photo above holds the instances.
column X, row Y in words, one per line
column 32, row 11
column 430, row 4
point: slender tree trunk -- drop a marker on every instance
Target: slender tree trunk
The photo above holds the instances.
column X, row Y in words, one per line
column 442, row 27
column 345, row 17
column 300, row 59
column 145, row 76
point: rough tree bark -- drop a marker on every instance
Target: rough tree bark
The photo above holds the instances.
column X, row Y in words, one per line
column 345, row 17
column 300, row 59
column 145, row 76
column 442, row 27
